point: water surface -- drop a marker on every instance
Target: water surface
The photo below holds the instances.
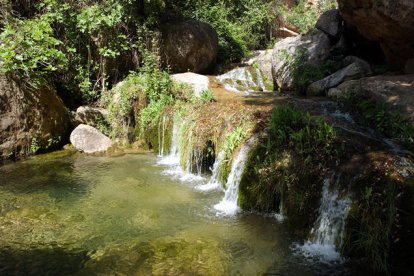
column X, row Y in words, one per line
column 81, row 215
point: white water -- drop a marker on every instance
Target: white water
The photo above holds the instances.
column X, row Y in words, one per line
column 173, row 159
column 161, row 137
column 213, row 183
column 239, row 80
column 327, row 233
column 228, row 205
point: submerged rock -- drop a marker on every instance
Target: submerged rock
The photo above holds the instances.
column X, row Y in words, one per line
column 198, row 83
column 358, row 68
column 31, row 118
column 189, row 45
column 290, row 53
column 89, row 140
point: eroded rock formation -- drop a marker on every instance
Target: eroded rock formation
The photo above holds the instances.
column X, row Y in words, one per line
column 390, row 22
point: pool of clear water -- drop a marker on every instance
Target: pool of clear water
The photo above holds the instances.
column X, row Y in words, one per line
column 71, row 214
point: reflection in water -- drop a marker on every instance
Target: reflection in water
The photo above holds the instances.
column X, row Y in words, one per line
column 89, row 215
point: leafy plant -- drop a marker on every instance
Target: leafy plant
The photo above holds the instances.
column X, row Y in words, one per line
column 206, row 96
column 30, row 48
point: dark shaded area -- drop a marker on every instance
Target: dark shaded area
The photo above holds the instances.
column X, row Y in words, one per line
column 359, row 46
column 45, row 261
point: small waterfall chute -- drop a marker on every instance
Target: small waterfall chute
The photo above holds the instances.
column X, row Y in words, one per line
column 229, row 204
column 213, row 183
column 327, row 233
column 173, row 159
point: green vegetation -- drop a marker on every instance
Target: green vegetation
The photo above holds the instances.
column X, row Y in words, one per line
column 304, row 16
column 373, row 216
column 385, row 120
column 287, row 168
column 206, row 96
column 232, row 141
column 303, row 73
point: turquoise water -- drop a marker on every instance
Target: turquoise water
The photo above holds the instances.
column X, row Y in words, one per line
column 66, row 214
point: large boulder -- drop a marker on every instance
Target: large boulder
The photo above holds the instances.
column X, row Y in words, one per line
column 89, row 115
column 32, row 118
column 395, row 91
column 262, row 60
column 290, row 53
column 356, row 69
column 390, row 22
column 188, row 45
column 89, row 140
column 198, row 83
column 330, row 22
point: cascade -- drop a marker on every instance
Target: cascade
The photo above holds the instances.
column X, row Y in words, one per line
column 161, row 137
column 327, row 233
column 173, row 158
column 260, row 82
column 213, row 183
column 228, row 205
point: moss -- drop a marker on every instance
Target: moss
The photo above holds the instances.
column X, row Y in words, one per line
column 371, row 224
column 288, row 167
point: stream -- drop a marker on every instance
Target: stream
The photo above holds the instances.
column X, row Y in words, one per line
column 71, row 214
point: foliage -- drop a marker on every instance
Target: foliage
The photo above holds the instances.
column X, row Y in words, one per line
column 298, row 130
column 206, row 96
column 286, row 169
column 387, row 121
column 304, row 73
column 29, row 47
column 232, row 141
column 303, row 15
column 373, row 216
column 34, row 146
column 241, row 25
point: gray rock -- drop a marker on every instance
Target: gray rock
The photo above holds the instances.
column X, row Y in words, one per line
column 31, row 117
column 313, row 49
column 89, row 115
column 330, row 22
column 355, row 70
column 188, row 46
column 263, row 61
column 89, row 140
column 397, row 92
column 198, row 83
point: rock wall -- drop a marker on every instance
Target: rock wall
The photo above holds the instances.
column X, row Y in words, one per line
column 390, row 22
column 31, row 118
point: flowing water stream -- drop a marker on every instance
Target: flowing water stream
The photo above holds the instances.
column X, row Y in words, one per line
column 80, row 215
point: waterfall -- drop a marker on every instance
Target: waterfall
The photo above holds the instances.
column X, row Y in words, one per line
column 327, row 233
column 173, row 158
column 260, row 82
column 228, row 205
column 161, row 137
column 213, row 183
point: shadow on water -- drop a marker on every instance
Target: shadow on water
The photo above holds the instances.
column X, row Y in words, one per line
column 44, row 261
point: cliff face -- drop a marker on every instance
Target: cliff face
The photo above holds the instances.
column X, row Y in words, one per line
column 390, row 22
